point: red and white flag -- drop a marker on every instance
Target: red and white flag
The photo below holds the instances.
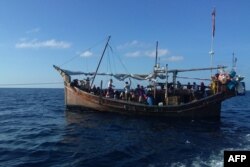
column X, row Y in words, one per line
column 213, row 22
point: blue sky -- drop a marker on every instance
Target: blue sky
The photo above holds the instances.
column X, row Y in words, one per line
column 35, row 34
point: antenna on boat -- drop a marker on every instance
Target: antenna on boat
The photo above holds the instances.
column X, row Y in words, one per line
column 234, row 62
column 100, row 61
column 212, row 41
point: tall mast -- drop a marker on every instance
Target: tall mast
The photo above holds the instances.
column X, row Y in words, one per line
column 212, row 41
column 156, row 67
column 100, row 61
column 156, row 53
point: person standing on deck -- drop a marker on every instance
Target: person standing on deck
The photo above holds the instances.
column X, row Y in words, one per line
column 87, row 83
column 195, row 87
column 110, row 84
column 202, row 89
column 179, row 86
column 127, row 89
column 189, row 86
column 137, row 92
column 195, row 90
column 110, row 91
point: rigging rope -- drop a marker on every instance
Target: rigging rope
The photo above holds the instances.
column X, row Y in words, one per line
column 72, row 58
column 20, row 84
column 109, row 67
column 111, row 61
column 120, row 62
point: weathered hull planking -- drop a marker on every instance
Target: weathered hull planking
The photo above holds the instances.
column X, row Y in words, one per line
column 209, row 107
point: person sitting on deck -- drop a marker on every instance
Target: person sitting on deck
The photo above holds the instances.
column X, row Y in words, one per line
column 85, row 84
column 150, row 99
column 94, row 90
column 171, row 89
column 110, row 93
column 132, row 95
column 122, row 95
column 98, row 91
column 116, row 94
column 74, row 83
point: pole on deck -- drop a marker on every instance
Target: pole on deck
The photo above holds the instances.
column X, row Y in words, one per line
column 166, row 90
column 155, row 68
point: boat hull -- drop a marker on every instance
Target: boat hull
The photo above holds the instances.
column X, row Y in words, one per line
column 76, row 99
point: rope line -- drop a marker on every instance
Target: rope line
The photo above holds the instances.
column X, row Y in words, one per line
column 72, row 58
column 42, row 83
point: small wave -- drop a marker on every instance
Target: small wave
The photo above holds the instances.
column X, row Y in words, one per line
column 248, row 137
column 214, row 161
column 177, row 164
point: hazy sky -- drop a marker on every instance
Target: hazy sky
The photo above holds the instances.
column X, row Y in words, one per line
column 35, row 34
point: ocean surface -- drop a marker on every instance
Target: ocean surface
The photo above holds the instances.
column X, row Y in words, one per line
column 36, row 131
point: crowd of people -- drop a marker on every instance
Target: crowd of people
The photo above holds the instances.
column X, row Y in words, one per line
column 127, row 93
column 143, row 94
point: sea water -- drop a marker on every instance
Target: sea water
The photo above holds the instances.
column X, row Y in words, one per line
column 35, row 130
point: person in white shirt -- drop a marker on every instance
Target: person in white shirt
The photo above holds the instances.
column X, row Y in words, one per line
column 110, row 91
column 110, row 84
column 127, row 89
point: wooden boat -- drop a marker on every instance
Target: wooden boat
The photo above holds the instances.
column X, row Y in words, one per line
column 176, row 103
column 170, row 105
